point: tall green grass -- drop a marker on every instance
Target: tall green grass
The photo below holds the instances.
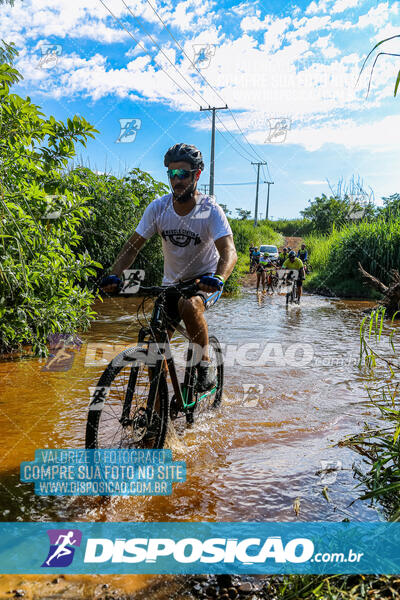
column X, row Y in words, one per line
column 335, row 258
column 245, row 234
column 292, row 227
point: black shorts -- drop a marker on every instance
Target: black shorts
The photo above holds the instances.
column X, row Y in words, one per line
column 173, row 295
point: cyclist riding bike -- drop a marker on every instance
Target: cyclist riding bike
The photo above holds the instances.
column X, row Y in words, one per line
column 283, row 256
column 252, row 248
column 295, row 264
column 302, row 253
column 197, row 245
column 255, row 258
column 261, row 271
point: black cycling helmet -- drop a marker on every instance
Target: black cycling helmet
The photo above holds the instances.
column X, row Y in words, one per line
column 184, row 152
column 292, row 253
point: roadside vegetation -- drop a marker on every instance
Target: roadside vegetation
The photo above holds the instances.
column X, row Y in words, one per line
column 59, row 228
column 379, row 443
column 246, row 235
column 344, row 234
column 42, row 277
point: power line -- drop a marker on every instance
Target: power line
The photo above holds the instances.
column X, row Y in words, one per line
column 183, row 50
column 144, row 49
column 246, row 183
column 204, row 79
column 183, row 77
column 269, row 174
column 169, row 76
column 174, row 81
column 163, row 53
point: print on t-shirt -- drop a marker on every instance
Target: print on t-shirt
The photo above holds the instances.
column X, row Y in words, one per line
column 188, row 241
column 181, row 237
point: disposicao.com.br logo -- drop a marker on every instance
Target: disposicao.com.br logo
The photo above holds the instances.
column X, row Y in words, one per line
column 248, row 551
column 190, row 550
column 200, row 547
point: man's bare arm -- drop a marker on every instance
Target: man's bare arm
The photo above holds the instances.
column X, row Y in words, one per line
column 227, row 256
column 227, row 260
column 128, row 254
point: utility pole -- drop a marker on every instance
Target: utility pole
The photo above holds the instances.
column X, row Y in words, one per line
column 258, row 185
column 267, row 211
column 204, row 187
column 213, row 109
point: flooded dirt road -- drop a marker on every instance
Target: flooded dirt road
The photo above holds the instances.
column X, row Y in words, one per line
column 292, row 391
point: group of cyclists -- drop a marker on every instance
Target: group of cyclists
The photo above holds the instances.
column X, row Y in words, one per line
column 266, row 267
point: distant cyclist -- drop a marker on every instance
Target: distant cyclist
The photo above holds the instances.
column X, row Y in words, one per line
column 252, row 248
column 302, row 253
column 197, row 245
column 255, row 257
column 283, row 256
column 295, row 264
column 261, row 271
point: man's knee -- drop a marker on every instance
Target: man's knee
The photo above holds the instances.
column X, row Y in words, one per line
column 190, row 307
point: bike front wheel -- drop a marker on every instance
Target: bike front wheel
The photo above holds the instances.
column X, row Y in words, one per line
column 120, row 407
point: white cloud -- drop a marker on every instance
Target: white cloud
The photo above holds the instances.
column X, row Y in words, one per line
column 314, row 7
column 245, row 8
column 376, row 17
column 326, row 46
column 274, row 37
column 342, row 5
column 381, row 134
column 296, row 72
column 254, row 23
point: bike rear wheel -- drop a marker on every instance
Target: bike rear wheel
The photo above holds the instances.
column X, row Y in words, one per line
column 119, row 409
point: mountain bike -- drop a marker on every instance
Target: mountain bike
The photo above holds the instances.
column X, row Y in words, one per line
column 288, row 279
column 272, row 280
column 292, row 295
column 130, row 406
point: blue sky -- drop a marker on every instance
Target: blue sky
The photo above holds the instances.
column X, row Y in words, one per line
column 287, row 70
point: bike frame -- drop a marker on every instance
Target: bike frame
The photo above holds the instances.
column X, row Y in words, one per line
column 157, row 333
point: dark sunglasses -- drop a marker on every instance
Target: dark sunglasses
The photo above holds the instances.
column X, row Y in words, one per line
column 179, row 173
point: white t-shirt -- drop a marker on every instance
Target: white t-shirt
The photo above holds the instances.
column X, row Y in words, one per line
column 188, row 241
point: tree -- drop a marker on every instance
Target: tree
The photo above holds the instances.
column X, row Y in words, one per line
column 391, row 207
column 116, row 206
column 243, row 214
column 326, row 212
column 225, row 209
column 42, row 280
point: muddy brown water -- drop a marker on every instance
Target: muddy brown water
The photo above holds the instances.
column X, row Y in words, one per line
column 250, row 460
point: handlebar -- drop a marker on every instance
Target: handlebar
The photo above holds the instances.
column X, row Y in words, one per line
column 156, row 290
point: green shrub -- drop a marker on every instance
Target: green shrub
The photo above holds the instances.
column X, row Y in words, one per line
column 117, row 205
column 292, row 227
column 42, row 276
column 334, row 258
column 245, row 234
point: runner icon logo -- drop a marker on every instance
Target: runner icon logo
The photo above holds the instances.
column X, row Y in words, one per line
column 128, row 130
column 62, row 550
